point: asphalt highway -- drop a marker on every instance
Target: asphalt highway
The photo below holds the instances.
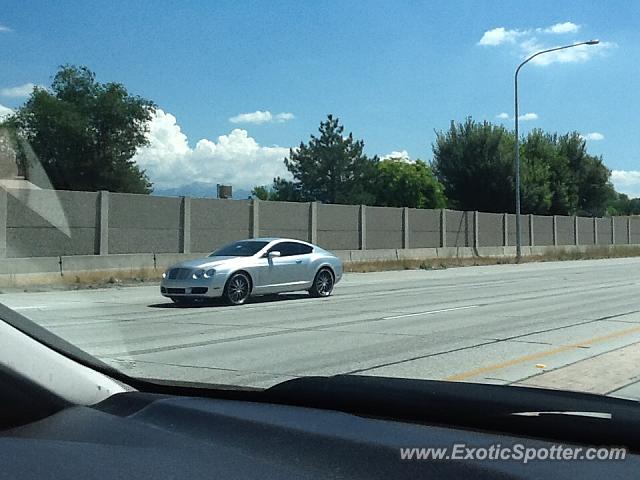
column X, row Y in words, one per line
column 572, row 325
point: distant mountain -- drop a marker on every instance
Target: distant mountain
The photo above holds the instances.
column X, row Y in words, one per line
column 198, row 190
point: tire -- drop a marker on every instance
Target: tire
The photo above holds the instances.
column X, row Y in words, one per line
column 322, row 283
column 237, row 289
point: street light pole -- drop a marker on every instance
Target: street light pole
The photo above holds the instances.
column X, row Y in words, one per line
column 517, row 158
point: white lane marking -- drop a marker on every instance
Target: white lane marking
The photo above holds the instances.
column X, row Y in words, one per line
column 431, row 312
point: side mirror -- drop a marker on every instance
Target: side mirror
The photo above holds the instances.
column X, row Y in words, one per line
column 274, row 254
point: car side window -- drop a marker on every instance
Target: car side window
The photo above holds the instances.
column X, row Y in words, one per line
column 304, row 249
column 288, row 249
column 284, row 248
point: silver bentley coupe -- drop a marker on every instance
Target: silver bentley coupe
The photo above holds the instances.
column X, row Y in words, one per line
column 257, row 266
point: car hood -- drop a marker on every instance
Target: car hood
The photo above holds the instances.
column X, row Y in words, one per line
column 207, row 262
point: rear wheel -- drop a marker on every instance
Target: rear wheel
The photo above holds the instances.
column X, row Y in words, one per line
column 237, row 289
column 322, row 283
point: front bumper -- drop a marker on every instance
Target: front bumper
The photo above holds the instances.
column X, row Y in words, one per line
column 210, row 288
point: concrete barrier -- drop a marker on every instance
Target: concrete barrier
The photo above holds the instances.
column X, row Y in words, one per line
column 81, row 269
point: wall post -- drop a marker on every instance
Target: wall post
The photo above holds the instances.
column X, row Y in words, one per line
column 505, row 229
column 613, row 230
column 531, row 235
column 595, row 230
column 363, row 227
column 313, row 222
column 3, row 223
column 443, row 228
column 102, row 235
column 555, row 230
column 185, row 227
column 405, row 227
column 476, row 229
column 255, row 218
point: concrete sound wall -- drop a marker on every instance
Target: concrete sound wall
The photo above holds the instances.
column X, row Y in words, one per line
column 424, row 228
column 635, row 230
column 42, row 223
column 490, row 229
column 383, row 227
column 585, row 231
column 620, row 230
column 338, row 226
column 284, row 219
column 524, row 227
column 542, row 230
column 604, row 231
column 459, row 229
column 46, row 223
column 565, row 230
column 214, row 223
column 142, row 223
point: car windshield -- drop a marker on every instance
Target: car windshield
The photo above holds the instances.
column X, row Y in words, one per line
column 240, row 249
column 451, row 188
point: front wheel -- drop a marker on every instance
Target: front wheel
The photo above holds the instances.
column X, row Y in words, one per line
column 237, row 289
column 322, row 284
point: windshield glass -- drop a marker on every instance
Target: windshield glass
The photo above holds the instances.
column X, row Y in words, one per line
column 466, row 230
column 240, row 249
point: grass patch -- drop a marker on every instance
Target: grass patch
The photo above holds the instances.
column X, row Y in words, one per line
column 442, row 263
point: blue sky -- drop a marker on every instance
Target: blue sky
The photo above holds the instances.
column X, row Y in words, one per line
column 392, row 71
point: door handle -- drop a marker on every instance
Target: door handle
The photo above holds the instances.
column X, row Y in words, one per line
column 298, row 261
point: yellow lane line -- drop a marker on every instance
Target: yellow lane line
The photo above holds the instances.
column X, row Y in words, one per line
column 534, row 356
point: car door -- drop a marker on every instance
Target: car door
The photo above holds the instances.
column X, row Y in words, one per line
column 286, row 271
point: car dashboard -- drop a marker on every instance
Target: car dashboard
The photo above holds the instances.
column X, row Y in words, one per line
column 141, row 435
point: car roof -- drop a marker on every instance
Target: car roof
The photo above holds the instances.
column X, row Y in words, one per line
column 277, row 239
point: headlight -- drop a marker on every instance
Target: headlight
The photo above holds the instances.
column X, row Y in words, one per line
column 209, row 273
column 198, row 274
column 164, row 274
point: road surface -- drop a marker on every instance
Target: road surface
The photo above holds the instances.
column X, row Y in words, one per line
column 572, row 325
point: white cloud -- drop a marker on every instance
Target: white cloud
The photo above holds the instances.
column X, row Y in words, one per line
column 4, row 111
column 528, row 41
column 528, row 117
column 499, row 35
column 595, row 136
column 397, row 155
column 565, row 27
column 258, row 117
column 19, row 91
column 284, row 117
column 626, row 181
column 235, row 158
column 4, row 28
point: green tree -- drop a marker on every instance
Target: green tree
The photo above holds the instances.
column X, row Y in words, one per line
column 397, row 183
column 590, row 177
column 287, row 191
column 538, row 187
column 85, row 133
column 474, row 163
column 261, row 192
column 621, row 204
column 331, row 168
